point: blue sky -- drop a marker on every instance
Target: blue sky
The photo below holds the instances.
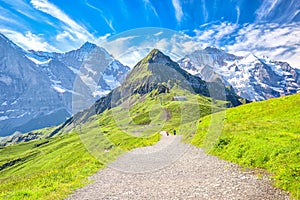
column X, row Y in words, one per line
column 262, row 27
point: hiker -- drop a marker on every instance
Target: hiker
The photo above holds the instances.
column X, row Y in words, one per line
column 167, row 133
column 174, row 132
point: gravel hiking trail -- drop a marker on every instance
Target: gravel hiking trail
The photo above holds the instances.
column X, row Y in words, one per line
column 171, row 169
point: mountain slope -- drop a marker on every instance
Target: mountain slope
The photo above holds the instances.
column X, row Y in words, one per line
column 25, row 92
column 158, row 68
column 51, row 168
column 261, row 135
column 155, row 72
column 251, row 77
column 40, row 89
column 54, row 165
column 85, row 74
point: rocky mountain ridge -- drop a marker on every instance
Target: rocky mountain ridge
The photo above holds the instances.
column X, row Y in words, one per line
column 252, row 77
column 40, row 89
column 156, row 72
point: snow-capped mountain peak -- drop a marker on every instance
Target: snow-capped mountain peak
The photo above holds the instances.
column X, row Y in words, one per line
column 38, row 84
column 88, row 45
column 254, row 78
column 249, row 59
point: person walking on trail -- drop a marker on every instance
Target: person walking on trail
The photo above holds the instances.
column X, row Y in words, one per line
column 167, row 133
column 174, row 132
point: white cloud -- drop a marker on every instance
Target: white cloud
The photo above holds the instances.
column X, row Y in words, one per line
column 132, row 46
column 238, row 12
column 213, row 34
column 181, row 45
column 22, row 7
column 204, row 35
column 51, row 9
column 178, row 10
column 279, row 42
column 93, row 7
column 279, row 11
column 158, row 33
column 130, row 58
column 72, row 34
column 224, row 30
column 204, row 11
column 118, row 46
column 266, row 7
column 64, row 35
column 11, row 20
column 149, row 6
column 108, row 21
column 74, row 28
column 102, row 39
column 28, row 40
column 6, row 17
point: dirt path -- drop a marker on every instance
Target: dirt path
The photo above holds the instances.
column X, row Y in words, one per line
column 173, row 170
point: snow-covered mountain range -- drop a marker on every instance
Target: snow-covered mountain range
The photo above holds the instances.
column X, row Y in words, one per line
column 41, row 89
column 251, row 77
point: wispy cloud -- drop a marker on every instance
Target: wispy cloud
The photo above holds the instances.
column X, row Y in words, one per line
column 28, row 40
column 132, row 46
column 204, row 11
column 16, row 15
column 278, row 11
column 204, row 35
column 238, row 13
column 158, row 33
column 102, row 39
column 122, row 4
column 73, row 27
column 178, row 10
column 109, row 22
column 64, row 35
column 214, row 34
column 266, row 7
column 6, row 17
column 279, row 42
column 225, row 30
column 23, row 8
column 119, row 45
column 148, row 5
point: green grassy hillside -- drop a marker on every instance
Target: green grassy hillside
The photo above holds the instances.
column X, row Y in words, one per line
column 51, row 168
column 263, row 135
column 259, row 135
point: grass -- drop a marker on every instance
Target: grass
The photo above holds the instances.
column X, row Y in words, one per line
column 52, row 168
column 49, row 171
column 258, row 135
column 262, row 135
column 40, row 133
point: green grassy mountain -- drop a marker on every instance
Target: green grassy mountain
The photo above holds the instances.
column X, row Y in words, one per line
column 50, row 168
column 56, row 163
column 155, row 72
column 263, row 135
